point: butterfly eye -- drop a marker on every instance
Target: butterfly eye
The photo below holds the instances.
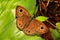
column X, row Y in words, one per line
column 21, row 10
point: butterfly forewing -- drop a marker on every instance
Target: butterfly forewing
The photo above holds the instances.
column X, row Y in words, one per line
column 20, row 11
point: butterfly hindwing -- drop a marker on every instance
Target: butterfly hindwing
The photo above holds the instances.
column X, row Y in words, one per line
column 30, row 29
column 34, row 27
column 22, row 21
column 41, row 28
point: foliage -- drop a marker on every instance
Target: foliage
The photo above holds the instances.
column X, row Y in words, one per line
column 8, row 29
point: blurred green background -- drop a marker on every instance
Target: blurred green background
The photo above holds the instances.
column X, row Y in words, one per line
column 8, row 29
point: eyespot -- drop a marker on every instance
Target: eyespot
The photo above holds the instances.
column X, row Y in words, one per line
column 16, row 17
column 20, row 25
column 42, row 28
column 28, row 31
column 21, row 10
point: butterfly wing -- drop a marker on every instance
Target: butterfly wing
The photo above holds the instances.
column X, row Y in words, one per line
column 20, row 11
column 48, row 36
column 30, row 29
column 22, row 21
column 41, row 28
column 23, row 17
column 35, row 27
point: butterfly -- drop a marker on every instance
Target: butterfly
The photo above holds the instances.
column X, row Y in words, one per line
column 28, row 24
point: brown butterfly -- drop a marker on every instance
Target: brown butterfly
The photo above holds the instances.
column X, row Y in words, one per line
column 28, row 24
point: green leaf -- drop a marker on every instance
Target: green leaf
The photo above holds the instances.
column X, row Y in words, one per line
column 58, row 25
column 41, row 18
column 54, row 34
